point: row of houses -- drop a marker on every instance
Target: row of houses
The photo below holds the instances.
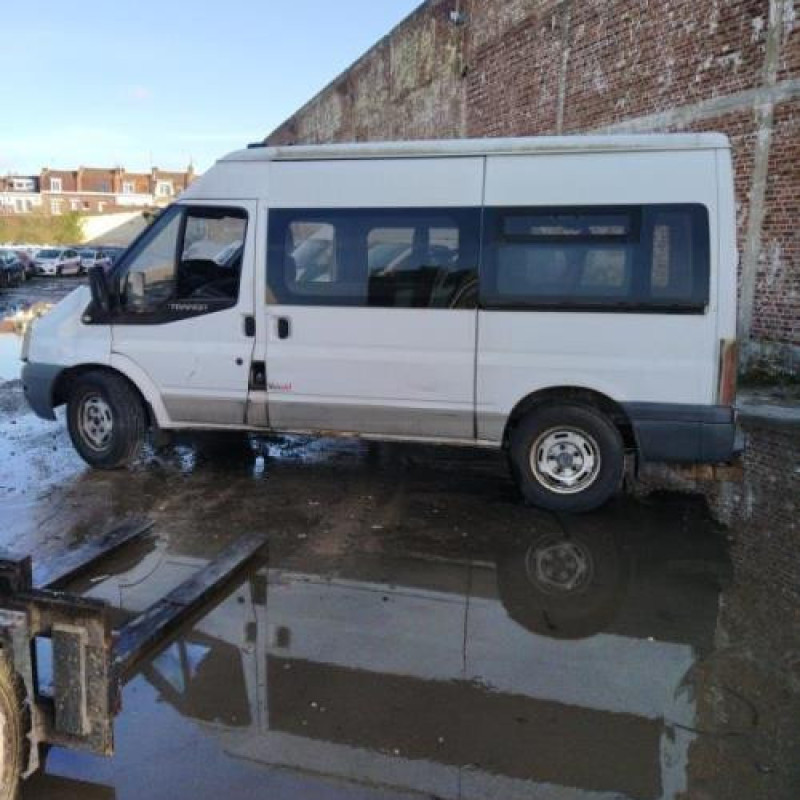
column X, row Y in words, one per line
column 90, row 190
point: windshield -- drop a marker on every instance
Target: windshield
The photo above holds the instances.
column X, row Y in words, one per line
column 49, row 253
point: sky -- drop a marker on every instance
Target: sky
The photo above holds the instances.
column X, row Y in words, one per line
column 141, row 83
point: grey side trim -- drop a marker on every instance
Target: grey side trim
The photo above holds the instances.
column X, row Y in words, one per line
column 377, row 420
column 257, row 409
column 38, row 381
column 679, row 412
column 683, row 433
column 205, row 410
column 491, row 426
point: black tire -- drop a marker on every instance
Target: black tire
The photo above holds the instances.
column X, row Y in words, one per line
column 106, row 419
column 598, row 443
column 13, row 732
column 59, row 272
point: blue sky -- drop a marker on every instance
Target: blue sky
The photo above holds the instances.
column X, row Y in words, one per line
column 145, row 83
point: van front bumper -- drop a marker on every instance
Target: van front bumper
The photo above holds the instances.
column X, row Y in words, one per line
column 673, row 432
column 38, row 381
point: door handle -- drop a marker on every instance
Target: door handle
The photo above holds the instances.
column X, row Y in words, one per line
column 284, row 328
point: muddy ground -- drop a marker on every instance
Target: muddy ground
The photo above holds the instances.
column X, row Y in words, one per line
column 417, row 631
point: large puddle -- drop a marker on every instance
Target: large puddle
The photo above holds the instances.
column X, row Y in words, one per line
column 416, row 632
column 561, row 660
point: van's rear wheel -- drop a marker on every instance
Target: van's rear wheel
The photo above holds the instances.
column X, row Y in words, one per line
column 567, row 458
column 106, row 420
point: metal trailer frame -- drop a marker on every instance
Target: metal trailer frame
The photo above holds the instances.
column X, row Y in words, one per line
column 90, row 660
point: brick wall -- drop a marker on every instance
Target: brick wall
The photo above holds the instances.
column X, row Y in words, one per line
column 528, row 67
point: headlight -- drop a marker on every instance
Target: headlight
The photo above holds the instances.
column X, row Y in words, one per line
column 26, row 339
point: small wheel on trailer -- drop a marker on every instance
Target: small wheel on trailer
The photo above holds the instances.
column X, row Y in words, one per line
column 567, row 458
column 14, row 729
column 106, row 419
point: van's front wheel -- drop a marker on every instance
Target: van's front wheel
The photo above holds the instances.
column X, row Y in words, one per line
column 567, row 458
column 106, row 420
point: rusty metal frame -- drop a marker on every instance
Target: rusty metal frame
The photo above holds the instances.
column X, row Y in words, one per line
column 91, row 661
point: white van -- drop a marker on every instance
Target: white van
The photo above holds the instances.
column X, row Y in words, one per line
column 569, row 300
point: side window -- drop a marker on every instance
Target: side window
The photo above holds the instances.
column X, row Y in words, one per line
column 149, row 278
column 416, row 266
column 389, row 258
column 189, row 255
column 641, row 257
column 562, row 254
column 679, row 253
column 310, row 256
column 211, row 253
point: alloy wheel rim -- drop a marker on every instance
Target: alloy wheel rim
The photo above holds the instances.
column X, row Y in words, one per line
column 96, row 422
column 565, row 460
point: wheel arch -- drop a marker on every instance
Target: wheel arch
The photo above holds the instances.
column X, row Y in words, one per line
column 573, row 395
column 67, row 378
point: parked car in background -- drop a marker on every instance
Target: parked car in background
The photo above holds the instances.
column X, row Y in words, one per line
column 27, row 261
column 58, row 261
column 12, row 272
column 90, row 257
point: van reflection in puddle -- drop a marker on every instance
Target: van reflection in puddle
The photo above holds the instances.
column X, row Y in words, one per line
column 560, row 665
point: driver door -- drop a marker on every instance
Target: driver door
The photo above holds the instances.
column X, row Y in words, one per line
column 185, row 291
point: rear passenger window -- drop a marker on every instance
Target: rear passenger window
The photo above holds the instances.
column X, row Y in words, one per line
column 310, row 255
column 641, row 258
column 386, row 258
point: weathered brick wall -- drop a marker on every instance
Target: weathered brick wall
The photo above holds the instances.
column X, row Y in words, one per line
column 408, row 86
column 527, row 67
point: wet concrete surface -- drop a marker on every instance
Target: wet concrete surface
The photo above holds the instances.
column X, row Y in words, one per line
column 418, row 632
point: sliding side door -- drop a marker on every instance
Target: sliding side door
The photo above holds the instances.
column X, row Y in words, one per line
column 372, row 295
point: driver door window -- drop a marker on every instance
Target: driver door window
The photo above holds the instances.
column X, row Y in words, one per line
column 190, row 262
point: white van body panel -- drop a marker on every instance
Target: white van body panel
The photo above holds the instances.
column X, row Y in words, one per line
column 391, row 371
column 365, row 371
column 602, row 179
column 613, row 354
column 626, row 356
column 60, row 337
column 199, row 366
column 377, row 183
column 231, row 182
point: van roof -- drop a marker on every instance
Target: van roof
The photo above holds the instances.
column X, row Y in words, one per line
column 441, row 148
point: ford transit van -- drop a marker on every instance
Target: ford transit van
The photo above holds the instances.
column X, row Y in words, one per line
column 569, row 300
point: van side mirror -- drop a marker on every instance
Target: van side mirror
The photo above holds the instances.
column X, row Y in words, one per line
column 98, row 285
